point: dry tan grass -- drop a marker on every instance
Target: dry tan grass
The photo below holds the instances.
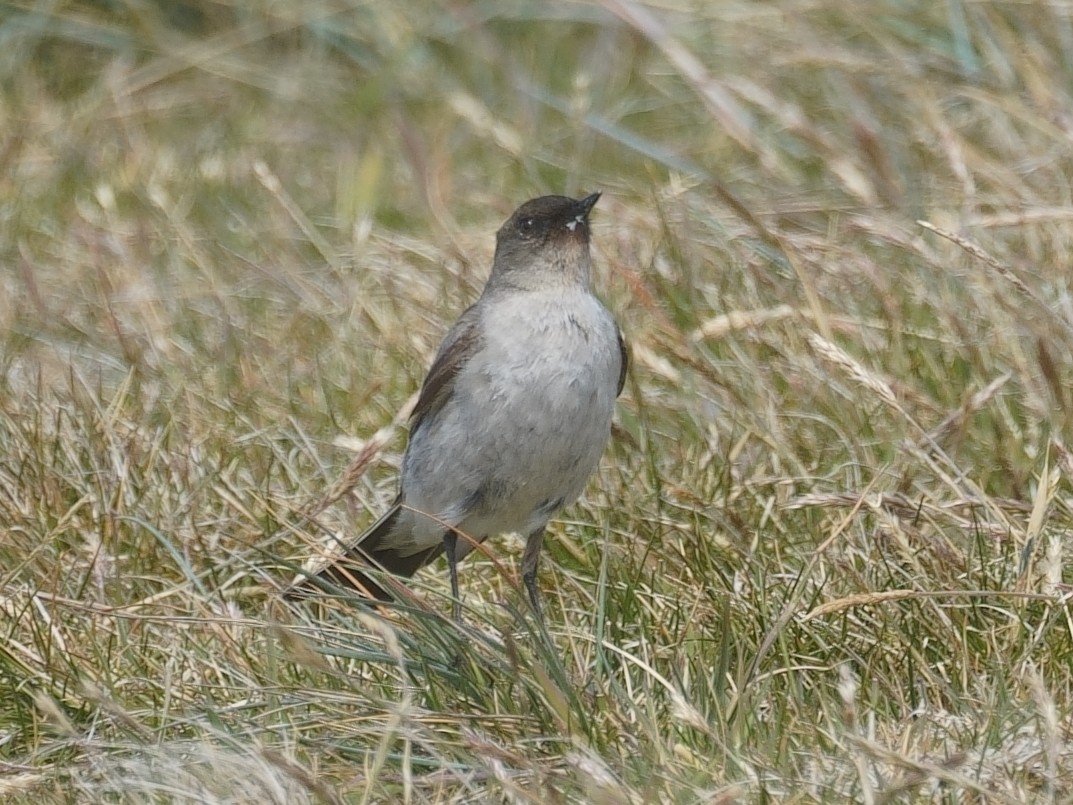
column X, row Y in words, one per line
column 827, row 556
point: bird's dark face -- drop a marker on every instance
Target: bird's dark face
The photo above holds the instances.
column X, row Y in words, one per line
column 548, row 221
column 545, row 243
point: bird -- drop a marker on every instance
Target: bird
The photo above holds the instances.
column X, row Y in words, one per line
column 514, row 414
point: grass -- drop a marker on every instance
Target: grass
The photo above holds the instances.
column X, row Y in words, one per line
column 827, row 555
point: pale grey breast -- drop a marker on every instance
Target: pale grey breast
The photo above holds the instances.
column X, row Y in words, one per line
column 528, row 420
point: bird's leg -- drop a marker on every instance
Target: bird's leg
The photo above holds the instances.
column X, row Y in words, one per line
column 450, row 542
column 530, row 560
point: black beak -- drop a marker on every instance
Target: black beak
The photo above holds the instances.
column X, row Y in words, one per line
column 580, row 212
column 585, row 205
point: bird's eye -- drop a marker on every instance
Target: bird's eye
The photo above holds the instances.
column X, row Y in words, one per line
column 527, row 225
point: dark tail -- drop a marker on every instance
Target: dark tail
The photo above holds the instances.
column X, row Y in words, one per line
column 374, row 548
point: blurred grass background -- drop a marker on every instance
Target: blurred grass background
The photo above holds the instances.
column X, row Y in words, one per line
column 826, row 558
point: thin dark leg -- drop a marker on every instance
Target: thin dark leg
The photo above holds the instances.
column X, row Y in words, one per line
column 530, row 560
column 450, row 541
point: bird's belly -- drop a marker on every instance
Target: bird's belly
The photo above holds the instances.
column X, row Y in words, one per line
column 537, row 442
column 522, row 432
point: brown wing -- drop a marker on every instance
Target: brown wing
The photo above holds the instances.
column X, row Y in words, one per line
column 461, row 343
column 625, row 362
